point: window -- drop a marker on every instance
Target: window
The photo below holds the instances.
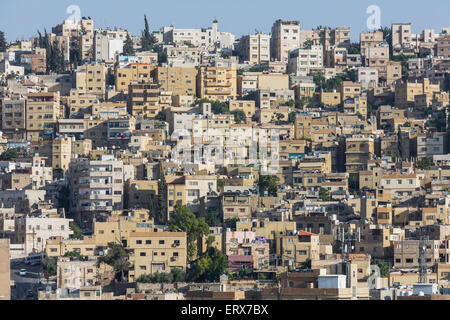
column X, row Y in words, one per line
column 161, row 242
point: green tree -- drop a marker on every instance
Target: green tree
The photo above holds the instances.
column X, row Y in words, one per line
column 213, row 217
column 147, row 40
column 117, row 257
column 239, row 115
column 63, row 198
column 128, row 48
column 3, row 43
column 184, row 220
column 162, row 57
column 209, row 267
column 424, row 164
column 384, row 266
column 268, row 183
column 308, row 43
column 230, row 223
column 9, row 155
column 354, row 49
column 292, row 116
column 49, row 266
column 324, row 194
column 74, row 254
column 220, row 184
column 77, row 232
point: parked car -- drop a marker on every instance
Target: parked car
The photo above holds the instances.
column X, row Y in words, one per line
column 23, row 272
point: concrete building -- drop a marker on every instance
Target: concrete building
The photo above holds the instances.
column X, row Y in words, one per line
column 34, row 231
column 178, row 81
column 254, row 48
column 5, row 274
column 97, row 187
column 285, row 38
column 303, row 61
column 91, row 79
column 43, row 111
column 217, row 83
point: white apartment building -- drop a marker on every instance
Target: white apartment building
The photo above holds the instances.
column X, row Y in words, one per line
column 368, row 77
column 109, row 43
column 205, row 37
column 34, row 231
column 303, row 61
column 97, row 187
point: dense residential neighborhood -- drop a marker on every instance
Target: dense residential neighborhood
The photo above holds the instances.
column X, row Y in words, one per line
column 193, row 164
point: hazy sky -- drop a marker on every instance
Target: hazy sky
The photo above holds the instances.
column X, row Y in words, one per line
column 22, row 18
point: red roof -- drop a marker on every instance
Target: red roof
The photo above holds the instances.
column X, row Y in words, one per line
column 305, row 233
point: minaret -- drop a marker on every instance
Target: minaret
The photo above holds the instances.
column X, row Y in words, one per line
column 215, row 31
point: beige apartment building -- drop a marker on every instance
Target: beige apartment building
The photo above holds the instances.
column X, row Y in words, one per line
column 406, row 254
column 13, row 119
column 156, row 252
column 246, row 106
column 134, row 72
column 80, row 103
column 406, row 92
column 5, row 274
column 178, row 81
column 217, row 83
column 370, row 40
column 443, row 46
column 255, row 48
column 359, row 151
column 285, row 38
column 43, row 111
column 143, row 100
column 58, row 246
column 401, row 36
column 91, row 79
column 61, row 153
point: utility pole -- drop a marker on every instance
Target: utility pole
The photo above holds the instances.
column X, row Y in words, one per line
column 347, row 238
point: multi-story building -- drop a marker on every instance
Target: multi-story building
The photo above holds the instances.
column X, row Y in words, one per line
column 303, row 61
column 58, row 246
column 401, row 37
column 245, row 250
column 34, row 231
column 91, row 79
column 406, row 92
column 205, row 37
column 97, row 187
column 13, row 110
column 359, row 151
column 156, row 252
column 132, row 73
column 443, row 46
column 178, row 81
column 5, row 274
column 217, row 83
column 368, row 77
column 285, row 38
column 407, row 253
column 370, row 40
column 143, row 99
column 254, row 48
column 42, row 112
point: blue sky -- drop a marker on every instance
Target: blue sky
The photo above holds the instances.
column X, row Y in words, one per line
column 22, row 18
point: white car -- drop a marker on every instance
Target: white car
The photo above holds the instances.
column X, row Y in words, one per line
column 23, row 272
